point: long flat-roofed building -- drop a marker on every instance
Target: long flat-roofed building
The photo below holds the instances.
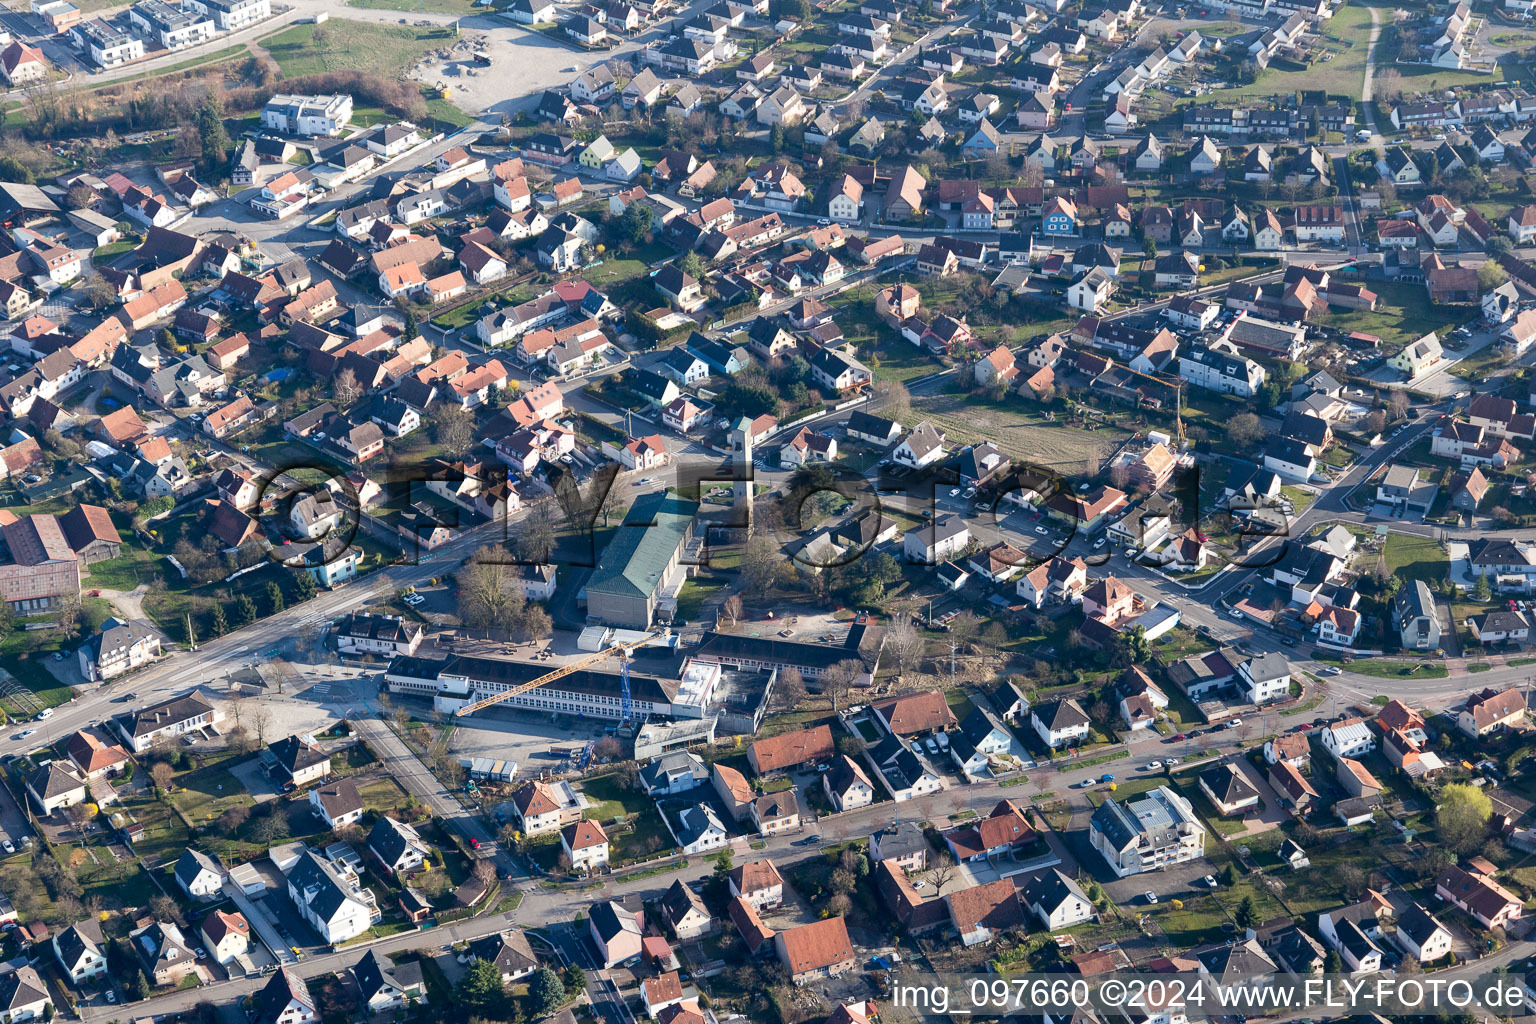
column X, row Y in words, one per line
column 862, row 644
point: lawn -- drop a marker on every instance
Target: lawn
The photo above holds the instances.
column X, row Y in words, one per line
column 636, row 263
column 690, row 600
column 608, row 800
column 1347, row 35
column 645, row 834
column 897, row 359
column 382, row 794
column 133, row 567
column 205, row 793
column 352, row 46
column 1017, row 429
column 1403, row 314
column 1415, row 558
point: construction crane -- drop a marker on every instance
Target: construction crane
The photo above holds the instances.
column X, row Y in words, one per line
column 622, row 650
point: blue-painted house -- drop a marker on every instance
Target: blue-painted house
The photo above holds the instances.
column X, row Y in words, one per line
column 983, row 144
column 1059, row 218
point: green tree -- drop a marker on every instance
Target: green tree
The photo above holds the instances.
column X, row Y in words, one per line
column 1333, row 963
column 410, row 325
column 691, row 264
column 575, row 980
column 304, row 587
column 216, row 143
column 275, row 596
column 1481, row 590
column 1229, row 877
column 776, row 138
column 1461, row 817
column 1136, row 646
column 546, row 993
column 141, row 987
column 481, row 989
column 12, row 169
column 636, row 222
column 220, row 624
column 1246, row 916
column 245, row 610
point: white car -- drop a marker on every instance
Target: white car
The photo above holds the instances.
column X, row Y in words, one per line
column 954, row 492
column 27, row 732
column 1331, row 670
column 1152, row 766
column 7, row 846
column 1041, row 531
column 45, row 713
column 1236, row 723
column 1209, row 880
column 1151, row 897
column 1170, row 762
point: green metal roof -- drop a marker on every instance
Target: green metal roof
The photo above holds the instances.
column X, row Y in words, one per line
column 651, row 533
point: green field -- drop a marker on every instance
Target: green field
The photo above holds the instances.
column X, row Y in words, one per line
column 352, row 46
column 1347, row 36
column 1415, row 558
column 1403, row 314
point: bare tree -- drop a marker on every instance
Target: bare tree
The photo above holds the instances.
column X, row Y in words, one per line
column 1245, row 429
column 1120, row 476
column 345, row 389
column 791, row 687
column 260, row 719
column 162, row 774
column 78, row 815
column 943, row 871
column 906, row 642
column 454, row 429
column 893, row 399
column 489, row 594
column 1397, row 405
column 836, row 681
column 731, row 610
column 485, row 870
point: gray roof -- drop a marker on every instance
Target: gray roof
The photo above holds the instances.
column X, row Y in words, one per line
column 508, row 950
column 193, row 863
column 900, row 840
column 633, row 562
column 675, row 761
column 375, row 974
column 1228, row 784
column 166, row 713
column 694, row 821
column 275, row 996
column 294, row 755
column 21, row 987
column 339, row 797
column 1051, row 890
column 318, row 885
column 1271, row 665
column 390, row 839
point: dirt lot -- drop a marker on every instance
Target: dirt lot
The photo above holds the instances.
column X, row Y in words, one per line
column 1017, row 431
